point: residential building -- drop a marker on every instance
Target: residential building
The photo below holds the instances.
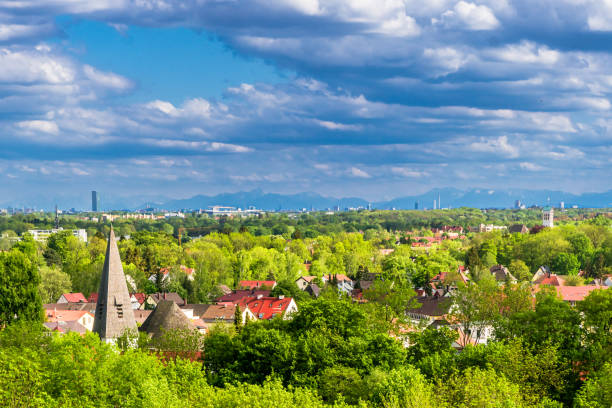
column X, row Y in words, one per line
column 256, row 284
column 72, row 298
column 154, row 298
column 266, row 308
column 82, row 317
column 43, row 235
column 502, row 274
column 518, row 229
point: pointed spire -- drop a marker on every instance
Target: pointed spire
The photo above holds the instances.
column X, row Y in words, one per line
column 113, row 309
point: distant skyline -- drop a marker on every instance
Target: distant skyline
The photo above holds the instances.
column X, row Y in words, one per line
column 373, row 99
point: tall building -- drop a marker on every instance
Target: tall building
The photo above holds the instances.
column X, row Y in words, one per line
column 416, row 205
column 517, row 204
column 94, row 201
column 114, row 309
column 548, row 215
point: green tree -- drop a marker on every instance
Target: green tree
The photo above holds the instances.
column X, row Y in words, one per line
column 19, row 295
column 53, row 283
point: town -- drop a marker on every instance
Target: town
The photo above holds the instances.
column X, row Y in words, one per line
column 536, row 292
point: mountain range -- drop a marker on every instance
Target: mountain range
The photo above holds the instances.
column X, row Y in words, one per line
column 449, row 197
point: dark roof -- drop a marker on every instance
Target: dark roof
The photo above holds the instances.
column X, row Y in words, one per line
column 167, row 296
column 215, row 313
column 236, row 295
column 313, row 289
column 433, row 306
column 521, row 228
column 198, row 308
column 166, row 316
column 501, row 273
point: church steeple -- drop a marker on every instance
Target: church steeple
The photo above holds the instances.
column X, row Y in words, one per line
column 113, row 310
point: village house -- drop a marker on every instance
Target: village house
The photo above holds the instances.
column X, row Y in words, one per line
column 256, row 284
column 67, row 320
column 72, row 298
column 266, row 308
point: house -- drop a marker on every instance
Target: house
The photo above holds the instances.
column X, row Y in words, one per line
column 574, row 294
column 154, row 298
column 138, row 300
column 502, row 274
column 542, row 271
column 237, row 295
column 551, row 279
column 343, row 282
column 72, row 298
column 166, row 316
column 87, row 306
column 266, row 308
column 606, row 280
column 431, row 308
column 256, row 284
column 518, row 229
column 304, row 281
column 226, row 314
column 82, row 317
column 313, row 290
column 141, row 315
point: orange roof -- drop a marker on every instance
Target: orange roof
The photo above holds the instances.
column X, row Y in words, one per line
column 576, row 293
column 65, row 315
column 254, row 284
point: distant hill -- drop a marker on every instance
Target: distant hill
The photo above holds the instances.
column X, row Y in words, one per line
column 479, row 198
column 450, row 197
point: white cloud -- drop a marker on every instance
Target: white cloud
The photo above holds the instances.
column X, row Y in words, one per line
column 527, row 52
column 470, row 16
column 107, row 79
column 336, row 126
column 530, row 166
column 498, row 146
column 46, row 126
column 356, row 172
column 405, row 172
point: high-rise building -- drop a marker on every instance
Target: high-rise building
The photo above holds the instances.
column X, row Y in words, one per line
column 114, row 312
column 416, row 205
column 517, row 204
column 94, row 201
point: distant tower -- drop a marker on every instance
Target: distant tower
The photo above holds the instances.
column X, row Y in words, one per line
column 94, row 201
column 548, row 217
column 56, row 218
column 517, row 204
column 416, row 205
column 114, row 309
column 562, row 205
column 434, row 207
column 439, row 202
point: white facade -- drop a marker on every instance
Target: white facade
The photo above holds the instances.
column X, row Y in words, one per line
column 43, row 235
column 548, row 217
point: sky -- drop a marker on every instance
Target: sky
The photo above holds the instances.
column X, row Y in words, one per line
column 368, row 98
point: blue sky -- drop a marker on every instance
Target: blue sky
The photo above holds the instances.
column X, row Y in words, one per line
column 370, row 98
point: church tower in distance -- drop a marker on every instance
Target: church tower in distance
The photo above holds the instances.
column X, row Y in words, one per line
column 113, row 310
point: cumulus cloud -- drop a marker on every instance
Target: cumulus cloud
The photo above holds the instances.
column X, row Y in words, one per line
column 469, row 15
column 357, row 172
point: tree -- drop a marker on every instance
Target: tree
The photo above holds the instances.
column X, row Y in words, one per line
column 597, row 390
column 53, row 283
column 566, row 264
column 520, row 270
column 19, row 295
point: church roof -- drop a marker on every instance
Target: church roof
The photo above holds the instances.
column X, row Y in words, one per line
column 166, row 316
column 113, row 308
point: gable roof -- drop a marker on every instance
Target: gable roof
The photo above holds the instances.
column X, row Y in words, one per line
column 140, row 297
column 236, row 295
column 307, row 278
column 141, row 315
column 66, row 327
column 198, row 308
column 166, row 316
column 552, row 279
column 76, row 297
column 520, row 228
column 219, row 312
column 65, row 315
column 175, row 297
column 255, row 284
column 266, row 308
column 576, row 293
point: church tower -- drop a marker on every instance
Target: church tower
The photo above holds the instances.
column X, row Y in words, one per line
column 548, row 215
column 113, row 310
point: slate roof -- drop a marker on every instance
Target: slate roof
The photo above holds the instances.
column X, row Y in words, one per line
column 518, row 228
column 215, row 313
column 198, row 308
column 432, row 306
column 166, row 316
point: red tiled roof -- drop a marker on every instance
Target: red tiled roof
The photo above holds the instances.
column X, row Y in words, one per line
column 140, row 297
column 576, row 293
column 254, row 284
column 265, row 308
column 93, row 297
column 552, row 280
column 188, row 271
column 74, row 297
